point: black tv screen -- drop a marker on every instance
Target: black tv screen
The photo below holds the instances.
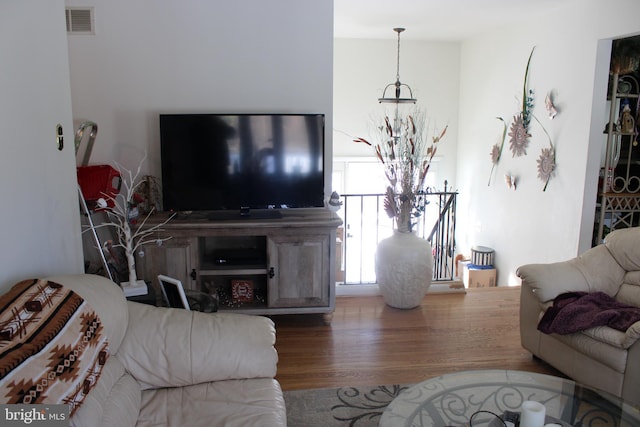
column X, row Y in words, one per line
column 213, row 162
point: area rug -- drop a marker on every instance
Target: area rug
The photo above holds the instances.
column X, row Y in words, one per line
column 345, row 406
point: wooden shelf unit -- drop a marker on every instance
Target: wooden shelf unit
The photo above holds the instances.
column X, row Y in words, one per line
column 619, row 188
column 290, row 260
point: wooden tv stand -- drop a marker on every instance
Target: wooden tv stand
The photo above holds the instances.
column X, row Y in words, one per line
column 280, row 265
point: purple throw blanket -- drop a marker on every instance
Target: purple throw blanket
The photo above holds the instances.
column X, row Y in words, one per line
column 576, row 311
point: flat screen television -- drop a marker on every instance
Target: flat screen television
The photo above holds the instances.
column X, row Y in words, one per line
column 239, row 162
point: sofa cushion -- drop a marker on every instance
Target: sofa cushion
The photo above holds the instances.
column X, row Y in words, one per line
column 624, row 246
column 599, row 348
column 618, row 339
column 171, row 347
column 242, row 403
column 629, row 292
column 114, row 401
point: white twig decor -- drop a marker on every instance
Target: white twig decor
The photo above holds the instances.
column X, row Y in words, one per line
column 123, row 213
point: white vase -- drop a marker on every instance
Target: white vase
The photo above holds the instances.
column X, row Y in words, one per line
column 404, row 269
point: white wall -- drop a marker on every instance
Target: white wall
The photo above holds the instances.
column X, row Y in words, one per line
column 149, row 57
column 571, row 58
column 40, row 217
column 362, row 69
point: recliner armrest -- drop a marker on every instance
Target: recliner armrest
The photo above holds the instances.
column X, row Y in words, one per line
column 595, row 270
column 166, row 347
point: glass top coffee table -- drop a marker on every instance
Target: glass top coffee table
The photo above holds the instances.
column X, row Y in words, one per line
column 452, row 399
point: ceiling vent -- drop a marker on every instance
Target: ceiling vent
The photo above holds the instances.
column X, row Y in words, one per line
column 79, row 20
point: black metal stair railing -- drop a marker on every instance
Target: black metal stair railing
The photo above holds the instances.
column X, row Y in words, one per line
column 366, row 223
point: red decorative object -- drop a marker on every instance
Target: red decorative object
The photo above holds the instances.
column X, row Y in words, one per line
column 99, row 181
column 242, row 290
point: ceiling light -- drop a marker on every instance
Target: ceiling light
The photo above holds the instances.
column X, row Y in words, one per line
column 398, row 87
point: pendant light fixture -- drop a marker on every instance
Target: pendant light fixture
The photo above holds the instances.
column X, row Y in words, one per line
column 398, row 98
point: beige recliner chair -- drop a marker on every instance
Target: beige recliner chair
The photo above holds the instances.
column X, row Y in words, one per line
column 600, row 357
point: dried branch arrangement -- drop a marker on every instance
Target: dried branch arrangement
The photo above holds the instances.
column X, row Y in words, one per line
column 124, row 216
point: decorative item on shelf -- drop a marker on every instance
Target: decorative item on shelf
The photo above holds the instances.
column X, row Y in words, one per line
column 226, row 299
column 627, row 123
column 151, row 194
column 334, row 203
column 124, row 216
column 624, row 86
column 242, row 290
column 202, row 301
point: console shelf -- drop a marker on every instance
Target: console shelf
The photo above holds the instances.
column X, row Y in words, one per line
column 283, row 265
column 235, row 271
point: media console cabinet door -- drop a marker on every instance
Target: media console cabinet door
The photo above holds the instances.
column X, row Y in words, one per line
column 174, row 258
column 301, row 270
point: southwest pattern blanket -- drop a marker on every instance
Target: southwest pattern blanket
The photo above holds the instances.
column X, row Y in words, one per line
column 52, row 345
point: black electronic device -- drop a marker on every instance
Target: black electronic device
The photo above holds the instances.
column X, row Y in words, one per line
column 238, row 257
column 242, row 163
column 512, row 417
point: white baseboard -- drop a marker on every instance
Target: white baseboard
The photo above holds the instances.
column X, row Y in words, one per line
column 455, row 286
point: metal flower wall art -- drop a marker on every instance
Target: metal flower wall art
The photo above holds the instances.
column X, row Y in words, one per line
column 520, row 135
column 496, row 150
column 546, row 165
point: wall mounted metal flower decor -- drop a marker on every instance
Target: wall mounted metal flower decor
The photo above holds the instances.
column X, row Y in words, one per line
column 520, row 134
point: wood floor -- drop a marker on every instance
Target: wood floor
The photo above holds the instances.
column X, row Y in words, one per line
column 369, row 343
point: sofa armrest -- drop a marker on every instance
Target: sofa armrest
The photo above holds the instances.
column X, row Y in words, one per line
column 166, row 347
column 530, row 309
column 631, row 386
column 595, row 270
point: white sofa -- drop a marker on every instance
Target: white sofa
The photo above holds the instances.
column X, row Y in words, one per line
column 600, row 357
column 173, row 367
